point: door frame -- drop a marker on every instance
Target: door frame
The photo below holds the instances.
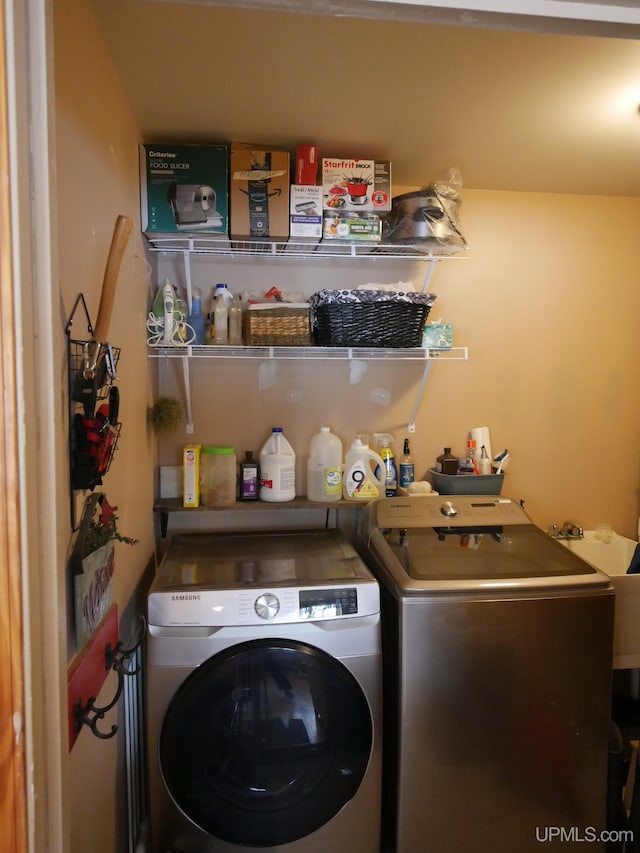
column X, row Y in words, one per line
column 34, row 518
column 13, row 807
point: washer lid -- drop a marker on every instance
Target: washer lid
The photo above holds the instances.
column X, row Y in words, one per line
column 481, row 558
column 249, row 559
column 258, row 578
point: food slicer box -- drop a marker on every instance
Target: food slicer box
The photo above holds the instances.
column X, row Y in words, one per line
column 184, row 189
column 305, row 214
column 259, row 194
column 374, row 196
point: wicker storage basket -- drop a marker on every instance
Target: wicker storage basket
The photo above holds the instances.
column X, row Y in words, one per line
column 376, row 322
column 278, row 325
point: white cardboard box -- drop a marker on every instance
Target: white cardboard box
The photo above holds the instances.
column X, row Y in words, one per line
column 352, row 185
column 305, row 213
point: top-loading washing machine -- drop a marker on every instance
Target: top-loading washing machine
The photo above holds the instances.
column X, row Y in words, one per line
column 264, row 695
column 498, row 661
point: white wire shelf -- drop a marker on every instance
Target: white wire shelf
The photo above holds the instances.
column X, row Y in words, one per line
column 290, row 250
column 309, row 353
column 190, row 353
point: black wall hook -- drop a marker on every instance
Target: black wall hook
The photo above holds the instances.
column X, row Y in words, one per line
column 118, row 660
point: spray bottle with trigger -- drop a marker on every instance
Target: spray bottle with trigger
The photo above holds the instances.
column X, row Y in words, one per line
column 406, row 466
column 390, row 472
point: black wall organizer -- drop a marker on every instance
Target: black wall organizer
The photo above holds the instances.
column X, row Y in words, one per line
column 94, row 428
column 117, row 659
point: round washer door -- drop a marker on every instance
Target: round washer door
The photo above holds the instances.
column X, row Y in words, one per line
column 265, row 742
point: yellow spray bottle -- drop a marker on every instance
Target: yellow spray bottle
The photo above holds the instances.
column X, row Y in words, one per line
column 390, row 470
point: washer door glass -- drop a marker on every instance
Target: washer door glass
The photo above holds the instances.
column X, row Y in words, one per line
column 265, row 742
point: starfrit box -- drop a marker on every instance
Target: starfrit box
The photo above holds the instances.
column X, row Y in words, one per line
column 259, row 193
column 184, row 189
column 354, row 185
column 305, row 220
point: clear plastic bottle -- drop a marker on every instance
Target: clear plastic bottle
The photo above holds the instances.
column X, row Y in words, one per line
column 324, row 467
column 406, row 467
column 467, row 465
column 485, row 462
column 277, row 469
column 471, row 455
column 235, row 321
column 196, row 318
column 223, row 288
column 218, row 476
column 221, row 320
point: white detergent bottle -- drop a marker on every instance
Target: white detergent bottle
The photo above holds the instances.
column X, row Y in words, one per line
column 361, row 482
column 324, row 467
column 277, row 469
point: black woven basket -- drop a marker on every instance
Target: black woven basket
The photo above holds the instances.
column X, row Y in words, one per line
column 369, row 324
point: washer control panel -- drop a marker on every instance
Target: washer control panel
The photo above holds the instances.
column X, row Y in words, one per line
column 195, row 606
column 449, row 511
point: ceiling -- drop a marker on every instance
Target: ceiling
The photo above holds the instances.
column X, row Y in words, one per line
column 511, row 109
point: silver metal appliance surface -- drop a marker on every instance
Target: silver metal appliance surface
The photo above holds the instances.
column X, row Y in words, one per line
column 264, row 695
column 497, row 660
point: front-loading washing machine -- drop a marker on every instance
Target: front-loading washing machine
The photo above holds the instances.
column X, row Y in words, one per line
column 264, row 695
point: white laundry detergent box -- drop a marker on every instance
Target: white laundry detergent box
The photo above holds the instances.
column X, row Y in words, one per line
column 356, row 186
column 191, row 475
column 305, row 213
column 184, row 189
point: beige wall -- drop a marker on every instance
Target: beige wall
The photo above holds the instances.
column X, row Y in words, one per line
column 547, row 302
column 97, row 179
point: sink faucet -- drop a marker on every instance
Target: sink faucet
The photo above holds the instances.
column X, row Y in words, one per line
column 569, row 530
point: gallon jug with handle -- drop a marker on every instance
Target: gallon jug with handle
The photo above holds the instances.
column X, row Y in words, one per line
column 324, row 468
column 361, row 482
column 277, row 469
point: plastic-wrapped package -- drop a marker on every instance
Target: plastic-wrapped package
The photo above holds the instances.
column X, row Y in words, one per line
column 428, row 217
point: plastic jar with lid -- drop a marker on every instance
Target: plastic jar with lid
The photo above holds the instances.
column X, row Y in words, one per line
column 217, row 475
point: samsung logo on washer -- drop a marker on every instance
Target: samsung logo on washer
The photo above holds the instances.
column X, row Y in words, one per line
column 186, row 597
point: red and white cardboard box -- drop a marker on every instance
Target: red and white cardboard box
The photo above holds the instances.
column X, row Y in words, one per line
column 307, row 164
column 356, row 186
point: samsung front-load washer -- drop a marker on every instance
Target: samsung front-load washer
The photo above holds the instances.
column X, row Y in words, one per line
column 497, row 647
column 264, row 695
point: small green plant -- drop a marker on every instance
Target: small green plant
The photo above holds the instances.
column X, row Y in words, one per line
column 165, row 415
column 102, row 529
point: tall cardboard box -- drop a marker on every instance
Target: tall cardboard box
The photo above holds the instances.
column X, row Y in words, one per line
column 184, row 189
column 259, row 194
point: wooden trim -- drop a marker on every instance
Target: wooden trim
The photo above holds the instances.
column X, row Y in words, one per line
column 13, row 814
